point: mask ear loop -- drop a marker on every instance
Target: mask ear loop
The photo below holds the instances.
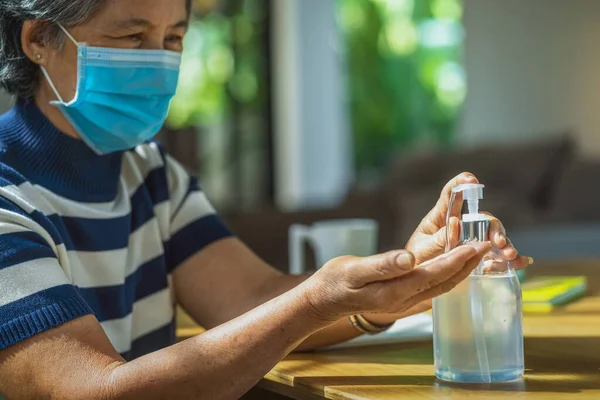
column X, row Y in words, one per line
column 68, row 34
column 52, row 84
column 45, row 72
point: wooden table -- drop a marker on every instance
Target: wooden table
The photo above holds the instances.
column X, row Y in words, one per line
column 562, row 360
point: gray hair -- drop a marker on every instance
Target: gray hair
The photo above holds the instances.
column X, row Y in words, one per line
column 18, row 74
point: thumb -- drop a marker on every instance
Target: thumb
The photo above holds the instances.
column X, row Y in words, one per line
column 452, row 230
column 381, row 267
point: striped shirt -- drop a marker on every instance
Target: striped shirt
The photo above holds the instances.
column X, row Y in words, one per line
column 86, row 234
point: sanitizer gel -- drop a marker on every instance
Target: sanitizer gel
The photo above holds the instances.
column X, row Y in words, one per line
column 477, row 327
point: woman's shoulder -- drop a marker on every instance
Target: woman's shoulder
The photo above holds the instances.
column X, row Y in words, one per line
column 9, row 176
column 21, row 203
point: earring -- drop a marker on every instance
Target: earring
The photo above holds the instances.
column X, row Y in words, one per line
column 38, row 56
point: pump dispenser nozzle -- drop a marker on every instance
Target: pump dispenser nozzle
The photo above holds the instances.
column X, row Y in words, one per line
column 475, row 226
column 472, row 193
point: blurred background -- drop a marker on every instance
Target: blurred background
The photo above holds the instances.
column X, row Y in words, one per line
column 301, row 110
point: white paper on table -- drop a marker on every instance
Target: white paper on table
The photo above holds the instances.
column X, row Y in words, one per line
column 415, row 328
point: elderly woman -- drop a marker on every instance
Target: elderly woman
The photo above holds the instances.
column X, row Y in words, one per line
column 101, row 232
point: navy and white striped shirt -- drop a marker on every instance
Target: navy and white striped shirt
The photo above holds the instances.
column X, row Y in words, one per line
column 82, row 233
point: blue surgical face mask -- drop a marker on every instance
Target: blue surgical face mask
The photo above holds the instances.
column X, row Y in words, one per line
column 122, row 97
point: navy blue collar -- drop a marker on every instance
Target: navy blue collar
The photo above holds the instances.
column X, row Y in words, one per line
column 50, row 158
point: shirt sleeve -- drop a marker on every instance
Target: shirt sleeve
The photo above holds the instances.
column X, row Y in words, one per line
column 194, row 222
column 36, row 293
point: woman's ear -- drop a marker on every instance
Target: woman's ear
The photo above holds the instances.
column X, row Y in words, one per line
column 32, row 41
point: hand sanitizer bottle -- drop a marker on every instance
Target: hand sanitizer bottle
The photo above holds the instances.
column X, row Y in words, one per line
column 477, row 326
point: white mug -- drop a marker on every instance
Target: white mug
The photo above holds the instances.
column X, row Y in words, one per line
column 331, row 239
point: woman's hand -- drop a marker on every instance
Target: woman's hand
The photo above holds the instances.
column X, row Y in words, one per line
column 387, row 283
column 429, row 240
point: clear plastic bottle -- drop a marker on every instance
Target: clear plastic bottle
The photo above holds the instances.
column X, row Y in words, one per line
column 478, row 329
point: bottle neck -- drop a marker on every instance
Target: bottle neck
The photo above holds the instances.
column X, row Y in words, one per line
column 478, row 230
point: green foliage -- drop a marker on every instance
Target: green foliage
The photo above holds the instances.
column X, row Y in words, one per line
column 223, row 64
column 405, row 80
